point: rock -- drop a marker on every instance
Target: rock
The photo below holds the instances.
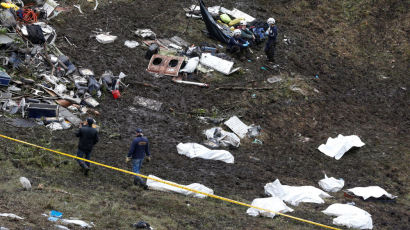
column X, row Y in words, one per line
column 4, row 228
column 25, row 183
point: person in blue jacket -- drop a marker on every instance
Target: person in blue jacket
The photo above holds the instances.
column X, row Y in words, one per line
column 138, row 150
column 272, row 33
column 236, row 44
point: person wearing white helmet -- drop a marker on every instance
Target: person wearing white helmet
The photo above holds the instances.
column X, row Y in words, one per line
column 272, row 33
column 236, row 44
column 245, row 32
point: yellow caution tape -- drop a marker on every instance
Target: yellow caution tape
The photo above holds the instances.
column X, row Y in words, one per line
column 173, row 184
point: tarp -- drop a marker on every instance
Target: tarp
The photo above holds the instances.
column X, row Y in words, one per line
column 193, row 150
column 211, row 25
column 371, row 191
column 349, row 216
column 331, row 184
column 271, row 203
column 295, row 194
column 337, row 147
column 155, row 185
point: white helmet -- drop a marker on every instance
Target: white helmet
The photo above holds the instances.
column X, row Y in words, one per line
column 237, row 32
column 271, row 21
column 243, row 23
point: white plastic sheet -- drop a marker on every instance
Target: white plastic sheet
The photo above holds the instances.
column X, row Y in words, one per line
column 331, row 184
column 349, row 216
column 237, row 126
column 295, row 194
column 224, row 139
column 155, row 185
column 219, row 64
column 193, row 150
column 190, row 66
column 337, row 147
column 271, row 203
column 131, row 44
column 145, row 33
column 11, row 215
column 81, row 223
column 371, row 191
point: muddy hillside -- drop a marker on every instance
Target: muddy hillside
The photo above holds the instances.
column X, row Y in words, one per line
column 340, row 68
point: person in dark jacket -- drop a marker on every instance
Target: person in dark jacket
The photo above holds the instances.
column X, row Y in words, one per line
column 88, row 138
column 272, row 33
column 138, row 150
column 236, row 44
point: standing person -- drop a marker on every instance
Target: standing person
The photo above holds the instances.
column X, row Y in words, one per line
column 88, row 138
column 272, row 33
column 139, row 148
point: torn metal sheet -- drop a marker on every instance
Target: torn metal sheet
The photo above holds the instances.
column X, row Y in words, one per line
column 217, row 63
column 149, row 42
column 238, row 14
column 146, row 33
column 5, row 96
column 148, row 103
column 8, row 38
column 21, row 123
column 91, row 102
column 49, row 6
column 237, row 126
column 167, row 65
column 179, row 41
column 73, row 119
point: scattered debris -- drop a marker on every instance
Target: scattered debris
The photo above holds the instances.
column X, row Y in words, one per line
column 106, row 38
column 77, row 222
column 147, row 103
column 237, row 126
column 295, row 194
column 371, row 191
column 61, row 227
column 42, row 110
column 25, row 183
column 218, row 64
column 167, row 65
column 218, row 137
column 131, row 44
column 331, row 184
column 4, row 79
column 191, row 65
column 193, row 150
column 11, row 215
column 154, row 185
column 55, row 215
column 235, row 13
column 142, row 225
column 349, row 216
column 271, row 203
column 337, row 147
column 145, row 33
column 274, row 79
column 253, row 131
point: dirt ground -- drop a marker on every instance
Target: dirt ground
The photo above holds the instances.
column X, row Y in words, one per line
column 357, row 92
